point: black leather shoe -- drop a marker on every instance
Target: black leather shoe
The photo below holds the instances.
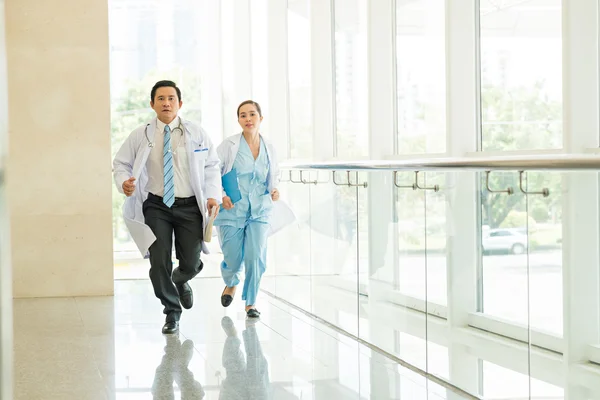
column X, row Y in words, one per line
column 226, row 299
column 170, row 327
column 253, row 313
column 186, row 296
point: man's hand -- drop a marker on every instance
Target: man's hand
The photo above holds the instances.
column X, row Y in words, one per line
column 227, row 204
column 129, row 186
column 212, row 203
column 275, row 195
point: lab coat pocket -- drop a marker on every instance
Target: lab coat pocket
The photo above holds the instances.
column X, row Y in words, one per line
column 201, row 154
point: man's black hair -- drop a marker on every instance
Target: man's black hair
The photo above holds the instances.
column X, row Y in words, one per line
column 160, row 84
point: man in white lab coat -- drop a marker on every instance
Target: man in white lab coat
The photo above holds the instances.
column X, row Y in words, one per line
column 170, row 172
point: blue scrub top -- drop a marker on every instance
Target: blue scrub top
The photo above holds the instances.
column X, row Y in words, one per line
column 256, row 204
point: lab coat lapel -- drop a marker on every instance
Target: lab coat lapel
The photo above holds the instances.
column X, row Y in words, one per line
column 234, row 150
column 189, row 144
column 140, row 163
column 133, row 215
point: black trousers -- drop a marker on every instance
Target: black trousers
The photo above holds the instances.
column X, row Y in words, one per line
column 185, row 221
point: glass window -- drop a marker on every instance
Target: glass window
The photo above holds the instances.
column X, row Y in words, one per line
column 230, row 99
column 140, row 55
column 522, row 251
column 521, row 74
column 351, row 81
column 299, row 79
column 260, row 54
column 421, row 76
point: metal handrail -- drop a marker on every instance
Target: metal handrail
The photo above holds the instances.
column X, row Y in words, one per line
column 544, row 192
column 508, row 190
column 415, row 185
column 560, row 162
column 349, row 181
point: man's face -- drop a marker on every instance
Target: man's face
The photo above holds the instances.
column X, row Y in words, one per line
column 166, row 104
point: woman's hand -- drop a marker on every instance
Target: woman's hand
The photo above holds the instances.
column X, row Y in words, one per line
column 227, row 204
column 275, row 195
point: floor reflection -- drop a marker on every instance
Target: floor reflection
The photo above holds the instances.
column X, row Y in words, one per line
column 174, row 368
column 113, row 349
column 247, row 376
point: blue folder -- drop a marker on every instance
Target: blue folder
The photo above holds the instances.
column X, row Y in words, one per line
column 230, row 184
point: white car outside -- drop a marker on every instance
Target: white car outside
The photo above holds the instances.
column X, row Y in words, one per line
column 513, row 240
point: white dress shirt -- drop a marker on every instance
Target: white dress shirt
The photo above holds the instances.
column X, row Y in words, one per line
column 155, row 163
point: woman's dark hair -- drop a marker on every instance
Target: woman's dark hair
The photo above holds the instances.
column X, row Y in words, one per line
column 255, row 104
column 160, row 84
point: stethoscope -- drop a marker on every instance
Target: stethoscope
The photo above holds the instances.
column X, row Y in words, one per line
column 151, row 144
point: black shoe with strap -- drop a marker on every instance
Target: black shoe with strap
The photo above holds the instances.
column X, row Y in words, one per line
column 226, row 299
column 253, row 313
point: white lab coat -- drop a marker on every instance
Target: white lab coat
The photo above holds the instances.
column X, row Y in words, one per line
column 131, row 160
column 282, row 214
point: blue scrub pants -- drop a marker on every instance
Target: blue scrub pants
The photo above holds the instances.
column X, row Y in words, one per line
column 244, row 248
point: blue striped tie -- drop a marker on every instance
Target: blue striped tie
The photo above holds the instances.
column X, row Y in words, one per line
column 169, row 193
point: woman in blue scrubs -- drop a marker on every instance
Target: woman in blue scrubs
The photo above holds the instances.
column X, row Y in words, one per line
column 243, row 226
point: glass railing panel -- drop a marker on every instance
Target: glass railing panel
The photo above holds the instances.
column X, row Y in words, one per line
column 334, row 250
column 410, row 287
column 504, row 241
column 394, row 286
column 545, row 275
column 504, row 282
column 544, row 225
column 378, row 318
column 364, row 238
column 464, row 282
column 436, row 188
column 449, row 355
column 436, row 233
column 289, row 250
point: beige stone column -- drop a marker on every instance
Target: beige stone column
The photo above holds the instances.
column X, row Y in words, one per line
column 59, row 161
column 6, row 330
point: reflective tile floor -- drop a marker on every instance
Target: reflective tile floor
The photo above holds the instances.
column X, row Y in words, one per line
column 112, row 348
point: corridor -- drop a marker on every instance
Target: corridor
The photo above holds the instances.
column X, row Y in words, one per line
column 112, row 348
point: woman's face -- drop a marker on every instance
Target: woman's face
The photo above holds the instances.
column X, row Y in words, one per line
column 249, row 119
